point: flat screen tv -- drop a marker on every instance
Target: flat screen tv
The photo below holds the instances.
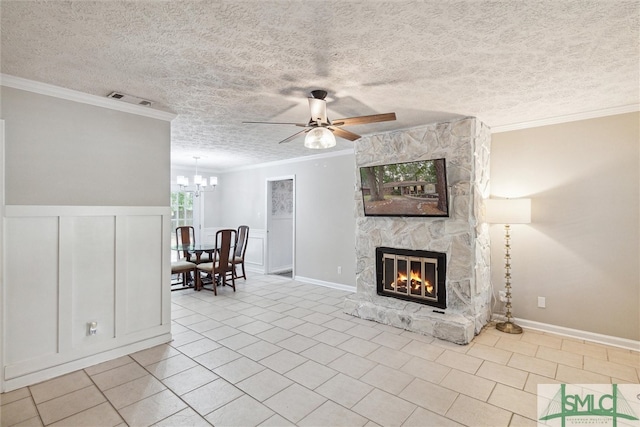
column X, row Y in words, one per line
column 406, row 189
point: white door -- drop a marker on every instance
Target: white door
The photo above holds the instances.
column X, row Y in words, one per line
column 280, row 226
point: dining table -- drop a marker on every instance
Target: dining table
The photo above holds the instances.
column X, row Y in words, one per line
column 197, row 250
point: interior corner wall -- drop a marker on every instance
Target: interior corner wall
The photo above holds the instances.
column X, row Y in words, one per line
column 86, row 193
column 325, row 218
column 581, row 250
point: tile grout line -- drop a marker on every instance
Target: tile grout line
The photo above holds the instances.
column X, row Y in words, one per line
column 85, row 409
column 36, row 406
column 241, row 306
column 294, row 382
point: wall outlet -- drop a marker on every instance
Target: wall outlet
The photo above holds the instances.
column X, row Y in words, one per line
column 542, row 302
column 92, row 328
column 339, row 269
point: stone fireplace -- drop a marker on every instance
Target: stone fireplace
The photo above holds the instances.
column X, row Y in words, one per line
column 461, row 239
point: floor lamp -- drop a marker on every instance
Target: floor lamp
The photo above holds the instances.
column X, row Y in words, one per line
column 507, row 212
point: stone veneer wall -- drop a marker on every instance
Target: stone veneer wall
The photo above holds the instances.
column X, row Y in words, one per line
column 465, row 144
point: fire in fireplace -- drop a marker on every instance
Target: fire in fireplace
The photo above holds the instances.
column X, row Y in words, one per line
column 412, row 275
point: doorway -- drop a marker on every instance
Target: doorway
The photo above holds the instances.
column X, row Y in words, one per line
column 280, row 225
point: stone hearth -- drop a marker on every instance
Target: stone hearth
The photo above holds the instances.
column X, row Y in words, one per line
column 465, row 144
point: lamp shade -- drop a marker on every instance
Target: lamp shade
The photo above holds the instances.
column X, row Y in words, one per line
column 508, row 211
column 319, row 138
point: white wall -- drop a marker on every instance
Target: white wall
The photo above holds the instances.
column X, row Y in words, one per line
column 86, row 227
column 325, row 217
column 581, row 250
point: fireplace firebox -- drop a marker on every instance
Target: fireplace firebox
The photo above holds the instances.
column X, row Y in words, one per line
column 412, row 275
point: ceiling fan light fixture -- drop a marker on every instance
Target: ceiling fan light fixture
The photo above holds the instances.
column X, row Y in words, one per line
column 320, row 131
column 319, row 138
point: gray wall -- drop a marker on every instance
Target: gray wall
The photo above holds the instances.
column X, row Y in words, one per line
column 61, row 152
column 581, row 250
column 86, row 187
column 325, row 219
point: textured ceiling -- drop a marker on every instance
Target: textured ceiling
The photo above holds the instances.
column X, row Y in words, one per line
column 218, row 63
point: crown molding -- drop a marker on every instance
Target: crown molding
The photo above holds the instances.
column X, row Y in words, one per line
column 568, row 118
column 292, row 160
column 84, row 98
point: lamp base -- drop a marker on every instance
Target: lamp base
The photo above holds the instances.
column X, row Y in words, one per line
column 509, row 328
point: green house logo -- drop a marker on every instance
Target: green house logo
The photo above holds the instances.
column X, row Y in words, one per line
column 589, row 404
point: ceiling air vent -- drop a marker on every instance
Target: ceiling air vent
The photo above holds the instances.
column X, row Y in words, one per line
column 130, row 99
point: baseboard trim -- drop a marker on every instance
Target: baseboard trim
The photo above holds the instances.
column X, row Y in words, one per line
column 332, row 285
column 575, row 333
column 281, row 269
column 85, row 362
column 254, row 268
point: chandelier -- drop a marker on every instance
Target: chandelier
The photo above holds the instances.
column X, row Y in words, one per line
column 200, row 183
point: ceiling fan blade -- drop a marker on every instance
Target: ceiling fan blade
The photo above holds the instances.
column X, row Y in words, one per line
column 361, row 120
column 279, row 123
column 344, row 133
column 318, row 109
column 292, row 137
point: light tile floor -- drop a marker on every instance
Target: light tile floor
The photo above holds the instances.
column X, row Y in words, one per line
column 278, row 352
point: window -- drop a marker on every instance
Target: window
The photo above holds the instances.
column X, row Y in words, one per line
column 181, row 213
column 181, row 209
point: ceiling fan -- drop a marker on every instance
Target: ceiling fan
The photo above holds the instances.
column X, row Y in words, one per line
column 320, row 131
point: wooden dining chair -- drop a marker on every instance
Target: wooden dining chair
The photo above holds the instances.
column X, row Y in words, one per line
column 240, row 250
column 222, row 264
column 184, row 268
column 185, row 235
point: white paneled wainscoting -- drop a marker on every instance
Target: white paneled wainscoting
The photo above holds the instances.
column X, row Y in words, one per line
column 65, row 267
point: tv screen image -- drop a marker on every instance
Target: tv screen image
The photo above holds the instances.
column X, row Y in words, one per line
column 406, row 189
